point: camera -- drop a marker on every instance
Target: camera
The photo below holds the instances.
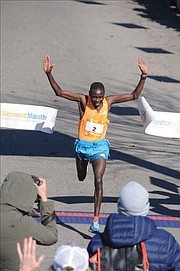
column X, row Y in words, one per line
column 36, row 180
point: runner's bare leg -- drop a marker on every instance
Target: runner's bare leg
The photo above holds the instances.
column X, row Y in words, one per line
column 99, row 167
column 81, row 167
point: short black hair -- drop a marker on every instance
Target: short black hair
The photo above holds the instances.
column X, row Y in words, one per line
column 97, row 85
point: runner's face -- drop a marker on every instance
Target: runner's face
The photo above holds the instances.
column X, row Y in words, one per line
column 96, row 96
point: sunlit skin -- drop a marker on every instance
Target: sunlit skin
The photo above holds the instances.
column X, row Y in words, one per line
column 97, row 95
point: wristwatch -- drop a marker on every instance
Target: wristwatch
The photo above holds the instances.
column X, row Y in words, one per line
column 144, row 76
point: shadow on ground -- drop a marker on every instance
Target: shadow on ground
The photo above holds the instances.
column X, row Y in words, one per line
column 170, row 197
column 34, row 143
column 160, row 11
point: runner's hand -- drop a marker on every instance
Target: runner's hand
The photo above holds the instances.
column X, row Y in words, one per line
column 47, row 66
column 142, row 66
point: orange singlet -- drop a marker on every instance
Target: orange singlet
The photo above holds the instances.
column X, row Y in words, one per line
column 93, row 125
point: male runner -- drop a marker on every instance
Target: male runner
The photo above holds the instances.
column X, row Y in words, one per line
column 91, row 145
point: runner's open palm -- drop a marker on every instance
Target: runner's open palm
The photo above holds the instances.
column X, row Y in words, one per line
column 47, row 66
column 142, row 66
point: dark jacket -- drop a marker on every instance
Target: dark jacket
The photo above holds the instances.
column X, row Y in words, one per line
column 18, row 194
column 162, row 249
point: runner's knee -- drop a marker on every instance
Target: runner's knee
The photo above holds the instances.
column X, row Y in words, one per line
column 98, row 182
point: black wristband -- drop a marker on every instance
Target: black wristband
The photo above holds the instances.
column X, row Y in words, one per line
column 143, row 76
column 49, row 219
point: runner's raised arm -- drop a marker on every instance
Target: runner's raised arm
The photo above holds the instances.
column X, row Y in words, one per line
column 112, row 99
column 47, row 66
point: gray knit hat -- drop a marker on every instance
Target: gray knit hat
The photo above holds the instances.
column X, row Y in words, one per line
column 133, row 200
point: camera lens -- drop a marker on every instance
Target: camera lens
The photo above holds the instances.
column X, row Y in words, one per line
column 36, row 180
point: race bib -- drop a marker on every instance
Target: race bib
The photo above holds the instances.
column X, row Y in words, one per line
column 94, row 127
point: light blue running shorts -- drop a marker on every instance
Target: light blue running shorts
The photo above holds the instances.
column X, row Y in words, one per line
column 90, row 151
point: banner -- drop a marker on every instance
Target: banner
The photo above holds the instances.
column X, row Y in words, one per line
column 28, row 117
column 165, row 124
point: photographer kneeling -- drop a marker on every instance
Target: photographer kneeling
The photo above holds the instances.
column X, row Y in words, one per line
column 19, row 191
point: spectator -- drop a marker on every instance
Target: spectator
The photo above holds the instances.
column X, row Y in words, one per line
column 66, row 258
column 69, row 257
column 18, row 194
column 131, row 226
